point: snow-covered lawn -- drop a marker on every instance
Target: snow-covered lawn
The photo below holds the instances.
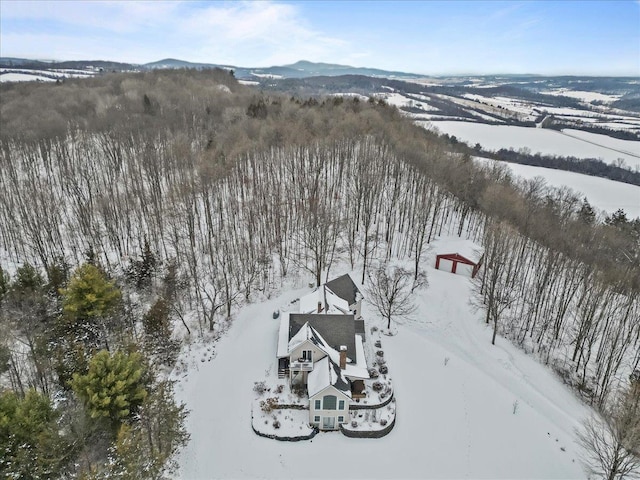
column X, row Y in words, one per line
column 456, row 395
column 602, row 193
column 547, row 142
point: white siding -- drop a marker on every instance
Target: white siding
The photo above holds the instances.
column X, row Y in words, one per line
column 322, row 413
column 464, row 270
column 306, row 345
column 446, row 265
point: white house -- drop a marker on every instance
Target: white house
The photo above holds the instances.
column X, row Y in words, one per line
column 321, row 349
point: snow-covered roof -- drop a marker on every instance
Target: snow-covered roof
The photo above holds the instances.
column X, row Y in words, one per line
column 331, row 303
column 463, row 247
column 345, row 288
column 283, row 336
column 326, row 373
column 307, row 333
column 358, row 369
column 335, row 329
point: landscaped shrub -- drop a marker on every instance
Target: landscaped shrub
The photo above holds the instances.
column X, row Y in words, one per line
column 276, row 424
column 354, row 424
column 383, row 421
column 279, row 389
column 373, row 373
column 298, row 390
column 259, row 387
column 384, row 369
column 378, row 344
column 269, row 404
column 377, row 386
column 380, row 353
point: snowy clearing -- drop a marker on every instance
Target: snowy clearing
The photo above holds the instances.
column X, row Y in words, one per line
column 24, row 77
column 602, row 193
column 457, row 396
column 583, row 95
column 546, row 142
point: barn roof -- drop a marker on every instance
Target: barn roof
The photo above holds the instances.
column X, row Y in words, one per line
column 464, row 248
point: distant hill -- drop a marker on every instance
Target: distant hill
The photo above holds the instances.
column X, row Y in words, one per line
column 9, row 62
column 301, row 69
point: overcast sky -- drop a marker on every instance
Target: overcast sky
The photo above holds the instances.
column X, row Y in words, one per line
column 429, row 37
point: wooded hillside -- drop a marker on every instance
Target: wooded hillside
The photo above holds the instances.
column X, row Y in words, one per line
column 137, row 210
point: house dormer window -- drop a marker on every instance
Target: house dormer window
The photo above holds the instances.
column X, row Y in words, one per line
column 307, row 355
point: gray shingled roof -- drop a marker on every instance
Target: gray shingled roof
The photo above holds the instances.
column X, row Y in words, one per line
column 344, row 287
column 337, row 330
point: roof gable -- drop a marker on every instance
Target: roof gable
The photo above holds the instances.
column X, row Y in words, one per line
column 345, row 288
column 328, row 300
column 464, row 248
column 326, row 373
column 335, row 330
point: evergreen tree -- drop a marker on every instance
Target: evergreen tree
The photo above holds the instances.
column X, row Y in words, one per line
column 114, row 386
column 146, row 449
column 157, row 328
column 57, row 276
column 140, row 272
column 27, row 279
column 31, row 445
column 89, row 294
column 4, row 284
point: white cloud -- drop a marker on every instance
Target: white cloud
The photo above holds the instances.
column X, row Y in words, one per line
column 241, row 33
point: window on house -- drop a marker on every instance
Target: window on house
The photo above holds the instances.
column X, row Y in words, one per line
column 317, row 405
column 306, row 355
column 329, row 402
column 340, row 419
column 341, row 405
column 316, row 419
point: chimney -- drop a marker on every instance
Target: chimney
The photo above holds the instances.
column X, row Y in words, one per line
column 319, row 307
column 343, row 357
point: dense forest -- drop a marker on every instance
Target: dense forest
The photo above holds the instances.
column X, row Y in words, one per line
column 139, row 211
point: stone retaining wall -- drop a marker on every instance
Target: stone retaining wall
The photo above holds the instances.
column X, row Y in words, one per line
column 285, row 439
column 368, row 433
column 357, row 406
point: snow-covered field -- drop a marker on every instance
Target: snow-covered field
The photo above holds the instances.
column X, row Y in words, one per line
column 24, row 77
column 602, row 193
column 456, row 397
column 583, row 95
column 547, row 142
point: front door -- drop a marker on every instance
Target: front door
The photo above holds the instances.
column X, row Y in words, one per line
column 328, row 423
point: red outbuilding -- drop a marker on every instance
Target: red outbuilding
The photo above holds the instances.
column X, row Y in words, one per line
column 466, row 254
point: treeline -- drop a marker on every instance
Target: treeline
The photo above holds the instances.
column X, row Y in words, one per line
column 183, row 181
column 587, row 166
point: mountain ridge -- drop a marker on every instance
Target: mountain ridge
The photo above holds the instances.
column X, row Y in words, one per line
column 299, row 69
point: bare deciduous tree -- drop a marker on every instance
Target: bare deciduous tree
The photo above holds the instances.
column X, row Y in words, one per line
column 612, row 440
column 390, row 292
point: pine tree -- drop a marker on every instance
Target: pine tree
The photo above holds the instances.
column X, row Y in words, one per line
column 31, row 445
column 27, row 279
column 114, row 386
column 4, row 284
column 146, row 449
column 89, row 294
